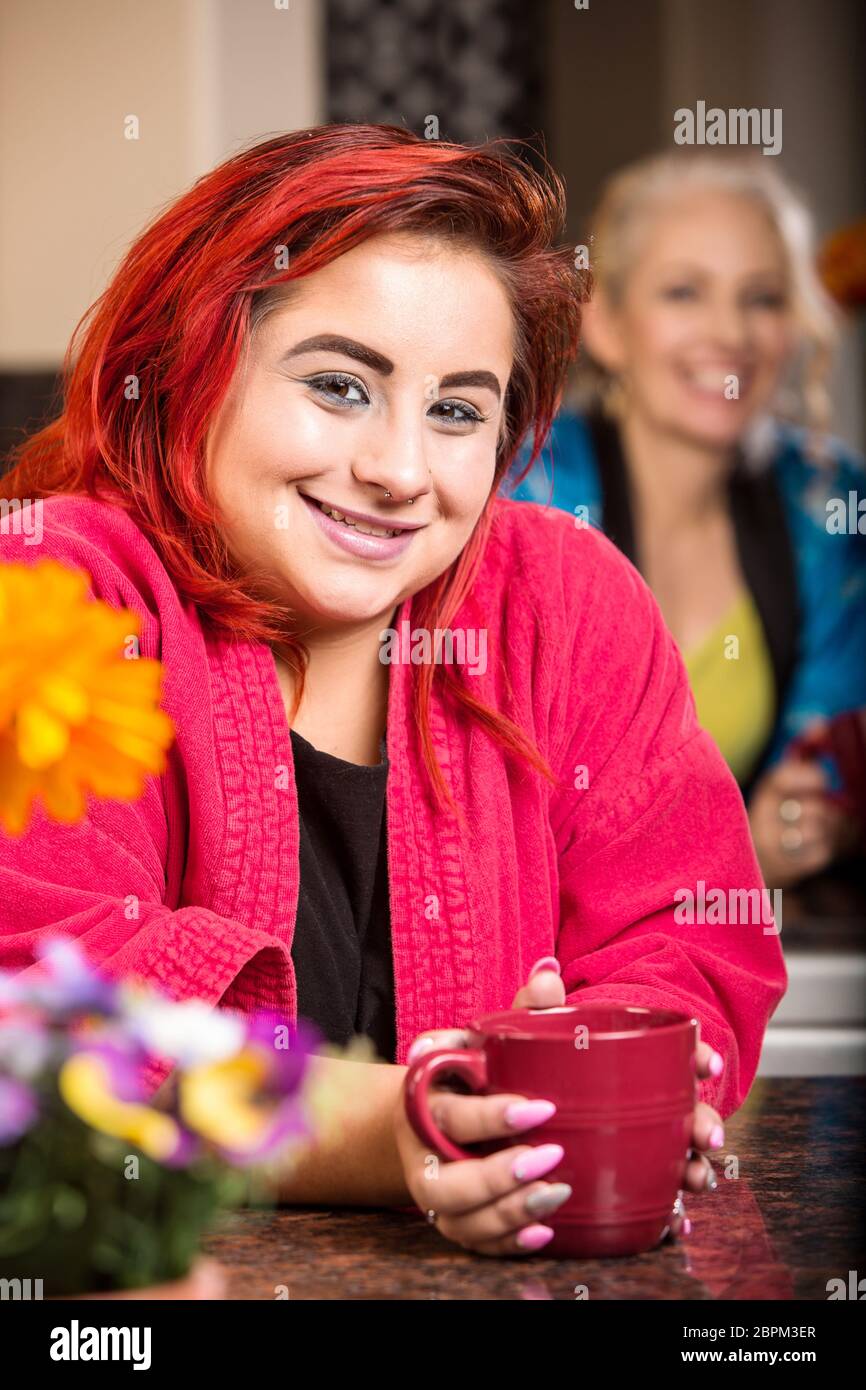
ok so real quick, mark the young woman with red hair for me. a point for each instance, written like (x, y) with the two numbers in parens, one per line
(284, 426)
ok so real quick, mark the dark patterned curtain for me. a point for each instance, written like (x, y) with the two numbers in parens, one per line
(472, 65)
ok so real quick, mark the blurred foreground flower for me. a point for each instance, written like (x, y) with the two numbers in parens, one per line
(100, 1088)
(239, 1082)
(76, 715)
(104, 1185)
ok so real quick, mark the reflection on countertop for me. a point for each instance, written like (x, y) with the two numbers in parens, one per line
(787, 1216)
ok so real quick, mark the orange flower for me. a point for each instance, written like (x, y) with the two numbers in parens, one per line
(843, 265)
(77, 715)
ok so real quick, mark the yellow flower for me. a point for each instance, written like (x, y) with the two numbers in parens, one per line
(218, 1100)
(84, 1084)
(76, 715)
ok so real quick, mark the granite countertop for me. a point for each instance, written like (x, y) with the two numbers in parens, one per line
(786, 1217)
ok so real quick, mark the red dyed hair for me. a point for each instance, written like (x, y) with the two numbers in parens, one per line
(186, 297)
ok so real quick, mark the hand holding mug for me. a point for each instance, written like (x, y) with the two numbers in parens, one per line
(490, 1202)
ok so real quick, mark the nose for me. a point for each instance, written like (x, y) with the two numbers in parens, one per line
(395, 461)
(731, 325)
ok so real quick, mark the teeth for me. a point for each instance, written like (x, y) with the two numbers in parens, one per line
(711, 380)
(357, 525)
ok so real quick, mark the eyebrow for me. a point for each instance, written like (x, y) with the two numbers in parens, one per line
(693, 268)
(329, 342)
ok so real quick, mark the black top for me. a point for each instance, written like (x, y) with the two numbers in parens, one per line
(764, 547)
(342, 944)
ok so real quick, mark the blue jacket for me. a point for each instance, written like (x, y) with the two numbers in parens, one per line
(824, 600)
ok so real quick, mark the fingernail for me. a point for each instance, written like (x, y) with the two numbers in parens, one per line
(533, 1237)
(687, 1227)
(537, 1162)
(546, 963)
(546, 1199)
(712, 1180)
(522, 1114)
(717, 1064)
(717, 1137)
(418, 1048)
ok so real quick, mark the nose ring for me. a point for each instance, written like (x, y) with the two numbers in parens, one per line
(409, 500)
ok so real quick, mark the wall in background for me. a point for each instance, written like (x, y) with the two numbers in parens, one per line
(202, 76)
(614, 88)
(206, 76)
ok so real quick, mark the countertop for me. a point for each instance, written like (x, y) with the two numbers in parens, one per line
(788, 1215)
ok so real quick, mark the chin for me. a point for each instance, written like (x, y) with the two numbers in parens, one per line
(713, 425)
(722, 435)
(345, 610)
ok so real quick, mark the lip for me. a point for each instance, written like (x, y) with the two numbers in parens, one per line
(391, 523)
(355, 542)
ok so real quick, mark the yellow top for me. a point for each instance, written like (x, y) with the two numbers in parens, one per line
(732, 681)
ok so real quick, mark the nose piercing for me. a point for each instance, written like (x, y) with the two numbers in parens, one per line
(410, 500)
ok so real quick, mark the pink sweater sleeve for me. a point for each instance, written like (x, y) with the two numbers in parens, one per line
(651, 808)
(102, 882)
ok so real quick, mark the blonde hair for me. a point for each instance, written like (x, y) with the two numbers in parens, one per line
(631, 196)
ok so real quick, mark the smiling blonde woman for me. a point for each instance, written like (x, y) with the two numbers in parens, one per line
(701, 446)
(283, 434)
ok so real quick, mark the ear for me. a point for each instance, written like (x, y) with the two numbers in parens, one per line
(602, 332)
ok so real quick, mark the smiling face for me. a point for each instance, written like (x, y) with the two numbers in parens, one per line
(383, 372)
(704, 327)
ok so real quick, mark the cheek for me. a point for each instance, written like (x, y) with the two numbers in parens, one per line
(462, 487)
(277, 440)
(306, 438)
(775, 342)
(652, 339)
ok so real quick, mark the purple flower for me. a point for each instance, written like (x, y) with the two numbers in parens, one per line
(288, 1046)
(18, 1109)
(73, 986)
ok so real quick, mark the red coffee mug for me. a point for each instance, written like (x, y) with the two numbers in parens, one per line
(623, 1082)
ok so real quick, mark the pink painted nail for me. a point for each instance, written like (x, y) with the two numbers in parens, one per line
(717, 1064)
(523, 1114)
(533, 1237)
(717, 1137)
(546, 963)
(687, 1227)
(537, 1162)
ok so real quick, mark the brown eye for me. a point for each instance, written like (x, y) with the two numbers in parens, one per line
(459, 413)
(337, 386)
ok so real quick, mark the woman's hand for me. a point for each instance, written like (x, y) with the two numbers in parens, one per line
(492, 1205)
(708, 1134)
(797, 830)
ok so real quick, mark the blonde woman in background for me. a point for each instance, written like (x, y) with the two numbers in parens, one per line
(707, 328)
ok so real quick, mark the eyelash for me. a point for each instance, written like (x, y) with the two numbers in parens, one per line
(318, 383)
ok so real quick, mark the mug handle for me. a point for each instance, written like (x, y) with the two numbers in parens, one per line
(470, 1064)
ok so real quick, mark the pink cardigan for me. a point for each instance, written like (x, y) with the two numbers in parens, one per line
(194, 887)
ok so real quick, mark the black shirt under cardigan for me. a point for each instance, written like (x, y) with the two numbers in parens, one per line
(342, 943)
